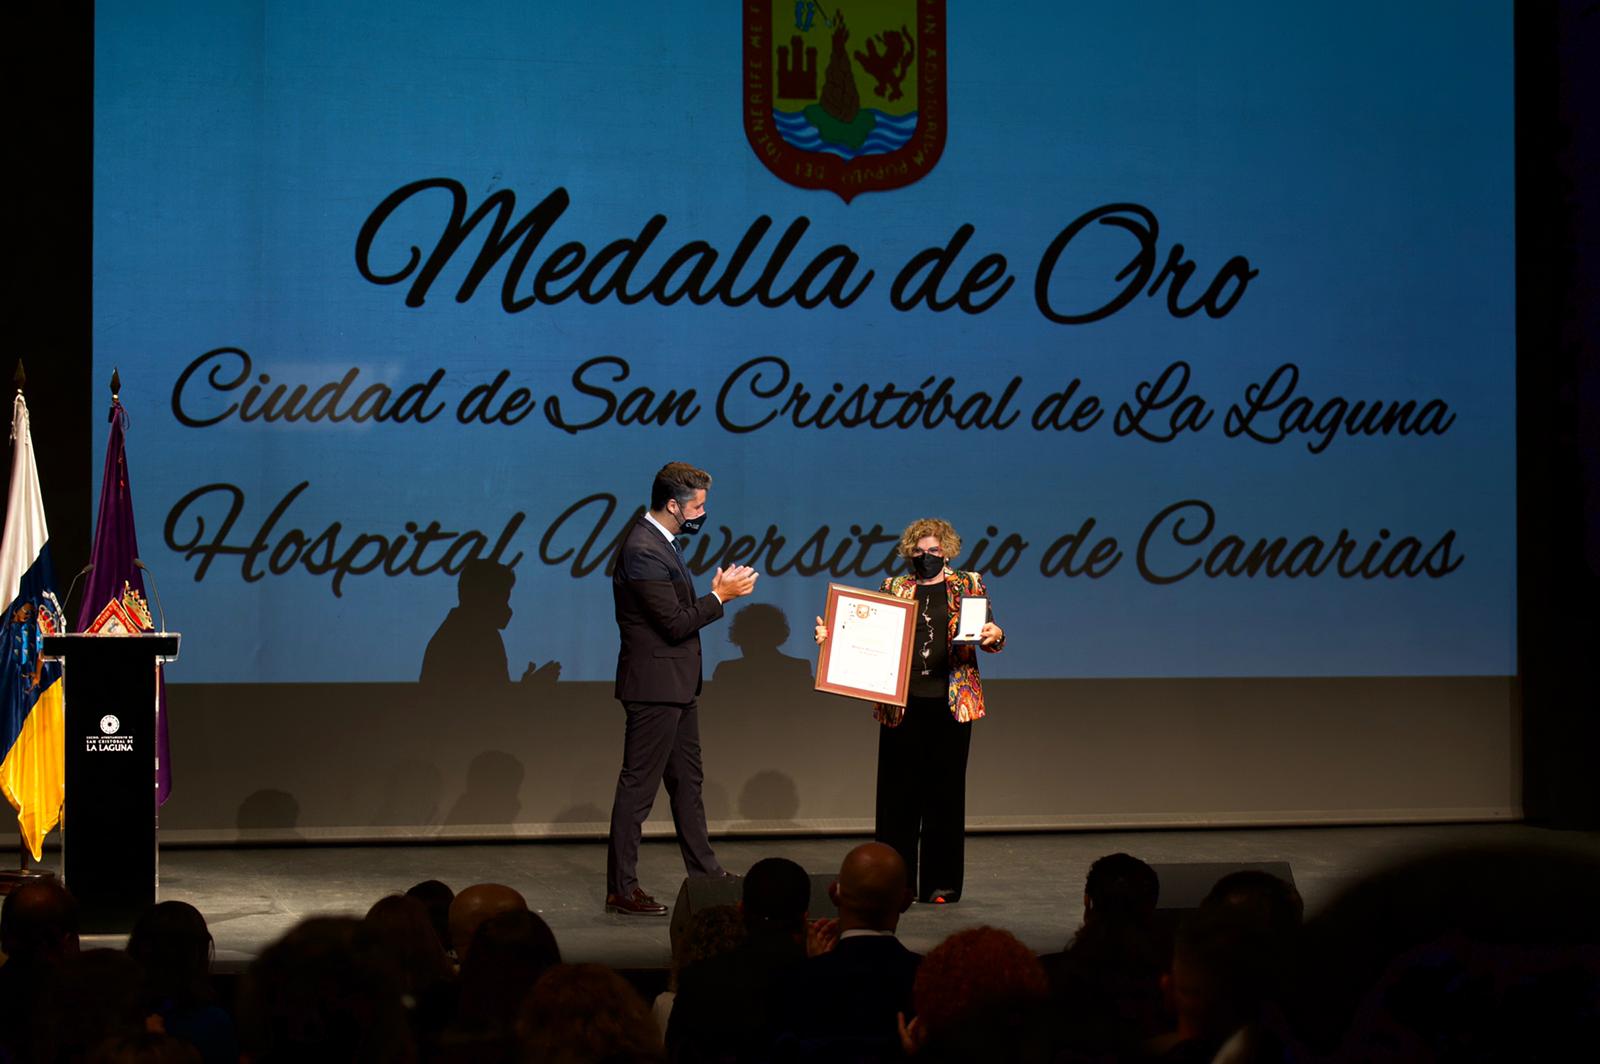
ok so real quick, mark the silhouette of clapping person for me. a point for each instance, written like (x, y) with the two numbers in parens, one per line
(467, 652)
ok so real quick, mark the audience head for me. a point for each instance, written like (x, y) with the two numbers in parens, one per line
(871, 891)
(980, 974)
(712, 931)
(1233, 955)
(1223, 969)
(1120, 888)
(776, 897)
(323, 992)
(475, 905)
(171, 942)
(509, 953)
(402, 931)
(39, 923)
(578, 1013)
(437, 897)
(88, 998)
(1260, 899)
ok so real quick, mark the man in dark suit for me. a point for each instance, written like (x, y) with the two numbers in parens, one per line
(658, 681)
(844, 1004)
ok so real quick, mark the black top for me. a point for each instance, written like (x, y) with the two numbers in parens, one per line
(930, 643)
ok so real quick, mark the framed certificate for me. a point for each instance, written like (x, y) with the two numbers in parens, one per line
(868, 650)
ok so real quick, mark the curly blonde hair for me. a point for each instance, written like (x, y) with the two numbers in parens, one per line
(949, 541)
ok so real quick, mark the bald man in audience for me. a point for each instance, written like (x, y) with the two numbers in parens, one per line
(475, 905)
(846, 1000)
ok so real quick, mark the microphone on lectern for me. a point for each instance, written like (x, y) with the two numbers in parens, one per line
(138, 563)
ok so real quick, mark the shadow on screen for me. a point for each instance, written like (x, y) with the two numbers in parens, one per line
(493, 794)
(769, 795)
(766, 695)
(412, 791)
(467, 654)
(270, 810)
(758, 631)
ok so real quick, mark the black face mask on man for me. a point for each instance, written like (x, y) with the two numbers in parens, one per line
(689, 526)
(926, 566)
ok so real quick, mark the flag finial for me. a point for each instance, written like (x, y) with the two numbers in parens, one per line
(116, 384)
(20, 377)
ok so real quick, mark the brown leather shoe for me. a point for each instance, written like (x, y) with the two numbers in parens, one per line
(638, 903)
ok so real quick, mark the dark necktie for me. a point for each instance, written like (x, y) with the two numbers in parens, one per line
(683, 566)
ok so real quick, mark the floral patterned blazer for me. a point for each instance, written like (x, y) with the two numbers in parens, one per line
(966, 691)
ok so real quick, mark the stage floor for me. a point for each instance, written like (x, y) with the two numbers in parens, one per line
(1031, 884)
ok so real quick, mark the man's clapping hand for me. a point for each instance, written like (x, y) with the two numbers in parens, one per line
(733, 582)
(821, 936)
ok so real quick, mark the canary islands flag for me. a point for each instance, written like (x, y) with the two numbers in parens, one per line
(33, 773)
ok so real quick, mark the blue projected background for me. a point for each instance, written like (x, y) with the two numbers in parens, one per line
(1230, 394)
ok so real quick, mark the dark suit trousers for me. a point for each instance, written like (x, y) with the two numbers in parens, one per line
(922, 793)
(661, 745)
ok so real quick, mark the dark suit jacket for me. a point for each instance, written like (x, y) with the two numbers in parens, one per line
(853, 992)
(659, 618)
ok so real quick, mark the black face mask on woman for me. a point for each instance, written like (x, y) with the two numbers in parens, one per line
(926, 566)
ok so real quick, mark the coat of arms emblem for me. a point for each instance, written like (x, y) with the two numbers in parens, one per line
(847, 95)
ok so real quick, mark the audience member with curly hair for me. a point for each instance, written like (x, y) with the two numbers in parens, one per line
(980, 986)
(585, 1014)
(712, 931)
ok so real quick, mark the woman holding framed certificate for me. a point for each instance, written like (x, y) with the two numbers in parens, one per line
(922, 746)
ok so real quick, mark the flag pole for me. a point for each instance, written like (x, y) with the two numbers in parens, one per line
(19, 377)
(11, 879)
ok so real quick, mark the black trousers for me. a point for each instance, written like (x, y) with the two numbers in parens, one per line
(922, 794)
(661, 745)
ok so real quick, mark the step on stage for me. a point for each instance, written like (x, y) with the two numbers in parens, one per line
(1030, 884)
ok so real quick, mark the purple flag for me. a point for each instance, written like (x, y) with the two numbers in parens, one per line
(114, 574)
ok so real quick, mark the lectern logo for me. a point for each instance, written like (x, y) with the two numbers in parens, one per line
(845, 95)
(108, 741)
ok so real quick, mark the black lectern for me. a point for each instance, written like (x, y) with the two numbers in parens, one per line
(108, 824)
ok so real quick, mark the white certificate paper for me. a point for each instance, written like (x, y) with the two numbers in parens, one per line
(868, 648)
